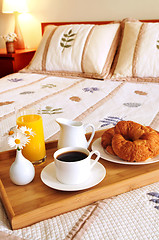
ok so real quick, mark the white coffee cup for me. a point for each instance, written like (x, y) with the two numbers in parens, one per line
(71, 167)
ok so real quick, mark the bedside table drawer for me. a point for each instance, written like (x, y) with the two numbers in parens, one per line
(6, 66)
(13, 62)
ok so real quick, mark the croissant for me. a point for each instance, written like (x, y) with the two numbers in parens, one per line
(131, 141)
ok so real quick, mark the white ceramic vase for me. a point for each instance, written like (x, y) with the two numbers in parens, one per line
(22, 170)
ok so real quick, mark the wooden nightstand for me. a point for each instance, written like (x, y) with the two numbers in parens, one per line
(13, 62)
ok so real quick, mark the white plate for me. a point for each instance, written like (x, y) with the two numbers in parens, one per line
(96, 145)
(48, 177)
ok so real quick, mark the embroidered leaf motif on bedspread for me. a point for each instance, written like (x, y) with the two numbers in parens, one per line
(50, 85)
(157, 44)
(132, 104)
(92, 89)
(50, 110)
(140, 93)
(154, 200)
(154, 194)
(15, 79)
(27, 92)
(110, 120)
(67, 39)
(75, 99)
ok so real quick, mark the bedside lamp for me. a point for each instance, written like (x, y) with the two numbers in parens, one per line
(16, 7)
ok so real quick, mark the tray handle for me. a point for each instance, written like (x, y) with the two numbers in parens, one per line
(6, 202)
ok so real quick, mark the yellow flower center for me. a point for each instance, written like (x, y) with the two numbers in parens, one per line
(17, 141)
(11, 132)
(27, 132)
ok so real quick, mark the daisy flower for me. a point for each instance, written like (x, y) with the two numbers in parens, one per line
(18, 140)
(10, 37)
(27, 131)
(12, 131)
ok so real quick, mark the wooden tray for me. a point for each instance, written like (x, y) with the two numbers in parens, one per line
(34, 202)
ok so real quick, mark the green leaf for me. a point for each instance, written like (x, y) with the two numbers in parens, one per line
(62, 44)
(73, 34)
(67, 46)
(49, 110)
(67, 37)
(57, 109)
(70, 40)
(63, 39)
(70, 32)
(157, 46)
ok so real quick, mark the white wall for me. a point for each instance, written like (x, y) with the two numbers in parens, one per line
(75, 10)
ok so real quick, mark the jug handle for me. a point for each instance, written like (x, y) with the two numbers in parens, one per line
(93, 132)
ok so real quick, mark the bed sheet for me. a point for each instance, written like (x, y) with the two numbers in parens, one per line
(132, 215)
(102, 103)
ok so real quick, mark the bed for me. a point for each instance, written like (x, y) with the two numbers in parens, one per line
(75, 75)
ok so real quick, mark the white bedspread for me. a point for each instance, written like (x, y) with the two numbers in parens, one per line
(128, 216)
(102, 103)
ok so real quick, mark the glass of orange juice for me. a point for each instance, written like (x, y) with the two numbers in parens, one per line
(35, 150)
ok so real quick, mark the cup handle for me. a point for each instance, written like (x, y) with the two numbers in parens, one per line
(96, 159)
(93, 132)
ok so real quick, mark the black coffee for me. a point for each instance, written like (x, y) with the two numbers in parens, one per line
(73, 156)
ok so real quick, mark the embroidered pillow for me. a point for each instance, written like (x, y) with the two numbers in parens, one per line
(138, 56)
(78, 50)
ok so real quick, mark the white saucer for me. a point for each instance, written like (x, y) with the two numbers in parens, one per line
(96, 145)
(48, 177)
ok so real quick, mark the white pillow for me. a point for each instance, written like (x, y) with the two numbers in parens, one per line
(78, 50)
(138, 56)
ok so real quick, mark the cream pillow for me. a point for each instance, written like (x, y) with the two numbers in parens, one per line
(78, 50)
(138, 56)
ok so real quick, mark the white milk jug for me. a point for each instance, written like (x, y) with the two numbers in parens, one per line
(72, 133)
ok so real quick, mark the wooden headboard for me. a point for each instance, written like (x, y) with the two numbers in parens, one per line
(44, 24)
